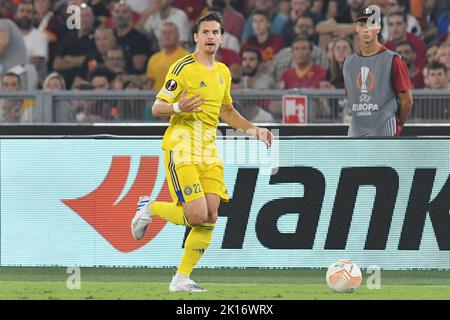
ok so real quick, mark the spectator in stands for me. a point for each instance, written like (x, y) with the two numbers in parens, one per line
(268, 44)
(193, 8)
(437, 76)
(406, 50)
(342, 48)
(342, 25)
(50, 24)
(54, 82)
(305, 74)
(328, 8)
(100, 78)
(14, 110)
(133, 109)
(277, 20)
(73, 48)
(232, 60)
(104, 39)
(100, 9)
(402, 6)
(299, 8)
(139, 6)
(35, 42)
(229, 40)
(160, 62)
(443, 55)
(430, 18)
(283, 60)
(442, 23)
(234, 21)
(397, 29)
(432, 52)
(160, 11)
(12, 47)
(139, 46)
(83, 110)
(253, 76)
(117, 60)
(436, 79)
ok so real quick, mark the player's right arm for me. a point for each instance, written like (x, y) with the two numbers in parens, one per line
(163, 108)
(172, 98)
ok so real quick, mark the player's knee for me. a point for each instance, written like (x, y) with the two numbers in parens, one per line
(212, 216)
(196, 216)
(195, 220)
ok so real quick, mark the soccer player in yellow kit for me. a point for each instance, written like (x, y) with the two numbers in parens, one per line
(196, 93)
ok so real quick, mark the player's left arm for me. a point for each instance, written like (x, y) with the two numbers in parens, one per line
(406, 103)
(402, 85)
(233, 118)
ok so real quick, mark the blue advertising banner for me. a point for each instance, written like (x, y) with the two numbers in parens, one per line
(306, 203)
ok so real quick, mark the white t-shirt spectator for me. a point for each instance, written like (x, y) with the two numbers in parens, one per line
(176, 16)
(139, 5)
(231, 42)
(36, 44)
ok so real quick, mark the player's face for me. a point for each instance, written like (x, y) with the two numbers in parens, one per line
(437, 79)
(367, 33)
(209, 37)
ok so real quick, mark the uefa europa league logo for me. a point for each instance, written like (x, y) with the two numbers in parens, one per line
(364, 74)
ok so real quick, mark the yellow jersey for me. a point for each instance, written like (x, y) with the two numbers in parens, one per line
(195, 132)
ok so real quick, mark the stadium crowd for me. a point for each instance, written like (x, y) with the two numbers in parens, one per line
(268, 44)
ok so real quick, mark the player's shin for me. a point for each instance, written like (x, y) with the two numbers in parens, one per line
(196, 243)
(169, 211)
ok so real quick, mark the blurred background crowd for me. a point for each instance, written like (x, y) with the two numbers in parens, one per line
(268, 44)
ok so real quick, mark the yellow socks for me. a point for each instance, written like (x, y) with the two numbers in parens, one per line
(169, 211)
(196, 243)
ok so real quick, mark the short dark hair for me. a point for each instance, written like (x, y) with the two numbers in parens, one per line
(436, 65)
(101, 71)
(404, 43)
(302, 37)
(255, 51)
(261, 12)
(12, 74)
(213, 16)
(432, 44)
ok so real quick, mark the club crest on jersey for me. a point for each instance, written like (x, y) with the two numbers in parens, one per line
(221, 80)
(171, 85)
(187, 191)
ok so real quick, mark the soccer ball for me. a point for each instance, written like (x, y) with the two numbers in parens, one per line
(344, 276)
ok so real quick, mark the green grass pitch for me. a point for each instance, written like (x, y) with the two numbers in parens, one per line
(222, 284)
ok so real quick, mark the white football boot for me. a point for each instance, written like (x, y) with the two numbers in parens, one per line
(142, 218)
(184, 284)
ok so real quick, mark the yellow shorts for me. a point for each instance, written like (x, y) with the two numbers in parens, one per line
(190, 180)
